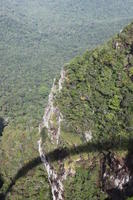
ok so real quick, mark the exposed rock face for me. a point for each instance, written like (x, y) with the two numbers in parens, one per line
(116, 177)
(52, 121)
(52, 117)
(61, 80)
(115, 174)
(88, 135)
(54, 179)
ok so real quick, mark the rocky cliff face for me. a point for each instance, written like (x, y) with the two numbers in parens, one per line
(52, 122)
(116, 176)
(52, 117)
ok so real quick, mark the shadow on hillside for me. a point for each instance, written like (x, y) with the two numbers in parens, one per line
(62, 153)
(1, 181)
(21, 172)
(3, 123)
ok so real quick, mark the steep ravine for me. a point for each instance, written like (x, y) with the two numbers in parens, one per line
(55, 180)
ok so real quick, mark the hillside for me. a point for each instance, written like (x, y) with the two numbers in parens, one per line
(97, 92)
(86, 133)
(85, 137)
(89, 117)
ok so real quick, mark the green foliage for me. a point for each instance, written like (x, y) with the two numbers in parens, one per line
(131, 71)
(38, 37)
(97, 93)
(84, 185)
(43, 91)
(19, 148)
(114, 103)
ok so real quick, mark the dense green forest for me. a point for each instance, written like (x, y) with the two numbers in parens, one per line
(97, 97)
(38, 37)
(98, 91)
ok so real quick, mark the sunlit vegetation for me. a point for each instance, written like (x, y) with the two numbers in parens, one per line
(84, 185)
(98, 91)
(36, 39)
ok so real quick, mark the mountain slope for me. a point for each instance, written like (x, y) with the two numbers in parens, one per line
(93, 102)
(90, 102)
(97, 93)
